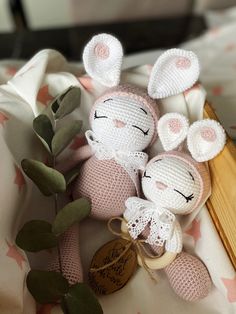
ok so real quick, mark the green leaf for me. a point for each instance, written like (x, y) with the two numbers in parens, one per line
(80, 299)
(43, 128)
(46, 286)
(72, 174)
(71, 213)
(36, 235)
(67, 102)
(48, 180)
(64, 136)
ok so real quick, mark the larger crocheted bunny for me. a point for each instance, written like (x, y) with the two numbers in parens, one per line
(175, 183)
(123, 124)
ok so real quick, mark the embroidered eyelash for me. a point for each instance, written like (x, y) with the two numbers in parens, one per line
(98, 117)
(144, 132)
(144, 110)
(188, 198)
(191, 175)
(108, 99)
(145, 175)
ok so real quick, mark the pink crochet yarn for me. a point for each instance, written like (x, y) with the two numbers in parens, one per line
(189, 277)
(106, 184)
(69, 247)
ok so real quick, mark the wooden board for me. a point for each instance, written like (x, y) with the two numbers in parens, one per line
(222, 202)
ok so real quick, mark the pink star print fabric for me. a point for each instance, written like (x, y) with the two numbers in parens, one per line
(28, 92)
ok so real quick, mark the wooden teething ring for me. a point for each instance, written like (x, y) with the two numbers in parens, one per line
(151, 263)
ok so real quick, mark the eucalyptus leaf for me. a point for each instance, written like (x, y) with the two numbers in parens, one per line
(67, 102)
(80, 299)
(36, 235)
(72, 174)
(48, 180)
(43, 128)
(47, 286)
(64, 136)
(71, 213)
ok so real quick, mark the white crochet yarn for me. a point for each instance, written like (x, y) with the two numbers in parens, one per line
(174, 71)
(102, 59)
(132, 162)
(172, 129)
(164, 229)
(206, 138)
(123, 123)
(172, 184)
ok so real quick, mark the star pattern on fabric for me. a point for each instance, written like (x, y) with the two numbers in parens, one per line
(45, 309)
(15, 254)
(230, 285)
(19, 178)
(44, 96)
(78, 142)
(217, 90)
(230, 47)
(194, 87)
(11, 70)
(195, 230)
(214, 31)
(3, 118)
(86, 82)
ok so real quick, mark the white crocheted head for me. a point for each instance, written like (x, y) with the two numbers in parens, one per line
(125, 117)
(175, 180)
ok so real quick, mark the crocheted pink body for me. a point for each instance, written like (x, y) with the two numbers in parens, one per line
(189, 277)
(106, 184)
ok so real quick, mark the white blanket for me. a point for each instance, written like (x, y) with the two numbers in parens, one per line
(24, 97)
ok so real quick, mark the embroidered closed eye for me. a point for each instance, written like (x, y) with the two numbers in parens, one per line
(145, 175)
(187, 198)
(96, 116)
(108, 99)
(144, 132)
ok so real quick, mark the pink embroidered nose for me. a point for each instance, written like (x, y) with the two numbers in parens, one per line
(161, 186)
(119, 123)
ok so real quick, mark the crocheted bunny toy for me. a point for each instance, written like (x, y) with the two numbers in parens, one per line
(123, 123)
(175, 183)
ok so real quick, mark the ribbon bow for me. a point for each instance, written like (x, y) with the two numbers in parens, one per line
(141, 213)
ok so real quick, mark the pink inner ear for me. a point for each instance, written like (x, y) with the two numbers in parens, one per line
(175, 125)
(182, 63)
(102, 51)
(208, 134)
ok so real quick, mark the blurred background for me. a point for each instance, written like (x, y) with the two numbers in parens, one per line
(145, 28)
(27, 26)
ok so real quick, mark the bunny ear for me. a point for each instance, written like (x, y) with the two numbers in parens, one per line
(172, 129)
(174, 71)
(102, 59)
(206, 139)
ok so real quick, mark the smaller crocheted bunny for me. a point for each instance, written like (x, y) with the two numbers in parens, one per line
(123, 124)
(175, 183)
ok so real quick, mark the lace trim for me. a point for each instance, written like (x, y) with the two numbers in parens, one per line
(130, 161)
(139, 213)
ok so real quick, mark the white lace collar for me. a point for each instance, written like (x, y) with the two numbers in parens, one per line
(130, 161)
(141, 213)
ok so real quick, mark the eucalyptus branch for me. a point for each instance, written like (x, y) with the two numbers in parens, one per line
(37, 235)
